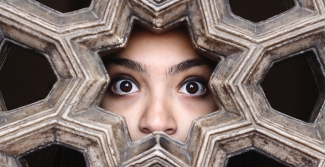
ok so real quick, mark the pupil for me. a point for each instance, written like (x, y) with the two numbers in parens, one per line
(192, 87)
(126, 86)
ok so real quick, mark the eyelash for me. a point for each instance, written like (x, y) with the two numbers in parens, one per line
(195, 82)
(116, 88)
(201, 90)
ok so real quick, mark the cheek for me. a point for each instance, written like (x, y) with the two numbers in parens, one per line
(198, 106)
(188, 109)
(119, 104)
(128, 107)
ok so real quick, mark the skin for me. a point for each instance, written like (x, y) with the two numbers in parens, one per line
(159, 99)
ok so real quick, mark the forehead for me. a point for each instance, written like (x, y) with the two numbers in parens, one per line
(145, 46)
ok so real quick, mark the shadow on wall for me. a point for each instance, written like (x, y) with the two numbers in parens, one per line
(259, 10)
(65, 6)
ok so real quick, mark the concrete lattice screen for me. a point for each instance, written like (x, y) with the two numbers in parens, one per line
(72, 39)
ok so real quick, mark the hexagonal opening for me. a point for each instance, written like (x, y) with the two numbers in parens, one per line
(65, 6)
(259, 10)
(54, 155)
(254, 158)
(294, 85)
(25, 76)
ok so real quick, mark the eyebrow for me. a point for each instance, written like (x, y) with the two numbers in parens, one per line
(177, 68)
(130, 64)
(182, 66)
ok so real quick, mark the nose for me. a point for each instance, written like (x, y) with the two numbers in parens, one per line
(158, 117)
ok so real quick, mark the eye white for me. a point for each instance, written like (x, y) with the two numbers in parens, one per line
(193, 88)
(123, 87)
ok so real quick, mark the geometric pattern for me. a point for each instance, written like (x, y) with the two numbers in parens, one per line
(75, 41)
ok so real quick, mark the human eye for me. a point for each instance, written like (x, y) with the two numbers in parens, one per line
(124, 87)
(193, 87)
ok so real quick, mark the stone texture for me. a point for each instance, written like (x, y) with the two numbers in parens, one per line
(70, 114)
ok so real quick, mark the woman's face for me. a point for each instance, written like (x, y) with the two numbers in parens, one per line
(159, 83)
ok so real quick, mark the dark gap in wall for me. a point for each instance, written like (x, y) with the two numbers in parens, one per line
(25, 77)
(259, 10)
(65, 6)
(253, 159)
(54, 156)
(290, 85)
